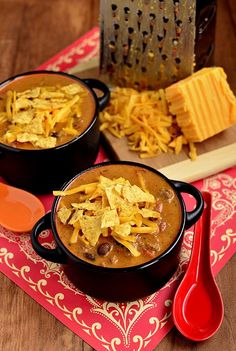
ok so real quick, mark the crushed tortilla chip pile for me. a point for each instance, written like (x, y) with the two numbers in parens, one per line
(40, 115)
(144, 118)
(110, 207)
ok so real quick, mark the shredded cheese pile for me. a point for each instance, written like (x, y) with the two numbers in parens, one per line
(40, 115)
(110, 207)
(144, 118)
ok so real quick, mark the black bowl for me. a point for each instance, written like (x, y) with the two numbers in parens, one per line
(119, 284)
(42, 170)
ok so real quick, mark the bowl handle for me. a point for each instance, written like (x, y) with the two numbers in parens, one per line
(54, 255)
(194, 215)
(97, 84)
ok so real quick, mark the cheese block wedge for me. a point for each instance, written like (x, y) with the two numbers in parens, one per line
(203, 104)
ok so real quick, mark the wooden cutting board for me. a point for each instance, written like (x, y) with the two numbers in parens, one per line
(214, 154)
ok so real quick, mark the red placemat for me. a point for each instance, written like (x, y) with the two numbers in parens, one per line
(137, 325)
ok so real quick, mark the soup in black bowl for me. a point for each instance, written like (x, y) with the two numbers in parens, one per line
(118, 227)
(49, 128)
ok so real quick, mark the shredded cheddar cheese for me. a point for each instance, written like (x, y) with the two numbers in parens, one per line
(144, 119)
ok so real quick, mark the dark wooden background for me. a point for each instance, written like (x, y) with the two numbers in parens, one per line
(32, 31)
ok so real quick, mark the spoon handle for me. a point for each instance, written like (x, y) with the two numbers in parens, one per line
(3, 189)
(200, 257)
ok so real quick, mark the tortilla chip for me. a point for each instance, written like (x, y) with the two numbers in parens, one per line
(45, 143)
(118, 188)
(26, 137)
(41, 104)
(72, 89)
(91, 228)
(23, 117)
(113, 197)
(127, 209)
(51, 94)
(64, 214)
(121, 181)
(105, 182)
(36, 126)
(134, 194)
(75, 217)
(146, 213)
(87, 205)
(122, 229)
(22, 103)
(29, 93)
(110, 219)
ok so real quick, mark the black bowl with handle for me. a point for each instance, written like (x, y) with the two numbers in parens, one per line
(119, 284)
(41, 170)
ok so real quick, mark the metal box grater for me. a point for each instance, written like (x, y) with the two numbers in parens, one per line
(147, 44)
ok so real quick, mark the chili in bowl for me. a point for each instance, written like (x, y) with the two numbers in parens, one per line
(118, 228)
(49, 128)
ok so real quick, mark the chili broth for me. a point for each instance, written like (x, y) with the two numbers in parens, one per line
(108, 252)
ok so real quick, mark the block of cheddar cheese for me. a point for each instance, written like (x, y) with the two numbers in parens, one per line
(203, 103)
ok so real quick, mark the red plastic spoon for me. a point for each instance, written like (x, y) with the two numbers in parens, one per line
(198, 307)
(19, 210)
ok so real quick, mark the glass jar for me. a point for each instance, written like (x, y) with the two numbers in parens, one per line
(205, 33)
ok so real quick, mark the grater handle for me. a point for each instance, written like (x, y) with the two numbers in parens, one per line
(97, 84)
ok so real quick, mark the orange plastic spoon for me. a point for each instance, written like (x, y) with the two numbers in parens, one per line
(19, 210)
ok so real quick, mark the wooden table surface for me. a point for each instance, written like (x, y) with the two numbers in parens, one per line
(32, 31)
